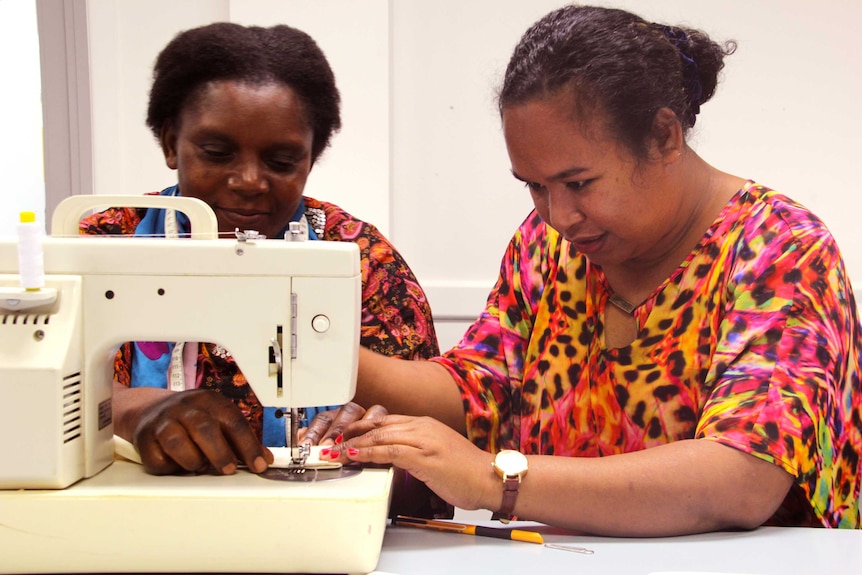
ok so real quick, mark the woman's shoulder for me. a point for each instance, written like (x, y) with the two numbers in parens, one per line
(762, 227)
(113, 221)
(764, 210)
(339, 224)
(534, 228)
(535, 240)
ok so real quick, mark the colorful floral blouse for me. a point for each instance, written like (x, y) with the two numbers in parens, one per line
(753, 342)
(396, 316)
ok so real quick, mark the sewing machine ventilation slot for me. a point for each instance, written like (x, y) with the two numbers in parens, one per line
(71, 407)
(25, 319)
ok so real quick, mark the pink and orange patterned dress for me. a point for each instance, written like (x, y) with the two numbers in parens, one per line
(754, 342)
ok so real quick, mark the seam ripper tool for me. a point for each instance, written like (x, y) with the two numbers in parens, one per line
(466, 529)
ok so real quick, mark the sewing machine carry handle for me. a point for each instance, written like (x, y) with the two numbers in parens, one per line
(68, 212)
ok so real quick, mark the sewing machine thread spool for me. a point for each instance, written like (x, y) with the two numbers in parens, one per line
(30, 259)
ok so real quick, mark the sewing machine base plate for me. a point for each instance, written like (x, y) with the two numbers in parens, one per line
(125, 521)
(310, 474)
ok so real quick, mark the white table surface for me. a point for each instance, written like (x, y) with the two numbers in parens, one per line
(764, 551)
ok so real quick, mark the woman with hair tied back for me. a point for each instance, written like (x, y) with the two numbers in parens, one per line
(243, 113)
(669, 348)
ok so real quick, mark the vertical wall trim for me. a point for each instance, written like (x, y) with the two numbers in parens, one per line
(66, 115)
(390, 132)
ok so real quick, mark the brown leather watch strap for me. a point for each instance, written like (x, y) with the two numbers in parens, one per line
(511, 485)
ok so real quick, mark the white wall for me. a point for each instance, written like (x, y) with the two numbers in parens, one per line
(126, 36)
(421, 154)
(786, 114)
(23, 186)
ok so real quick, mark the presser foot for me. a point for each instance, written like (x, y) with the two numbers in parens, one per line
(298, 457)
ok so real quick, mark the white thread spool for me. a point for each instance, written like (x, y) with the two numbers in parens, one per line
(31, 264)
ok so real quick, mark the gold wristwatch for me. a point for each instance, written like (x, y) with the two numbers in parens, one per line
(512, 467)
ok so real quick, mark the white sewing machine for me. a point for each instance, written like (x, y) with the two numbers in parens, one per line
(289, 314)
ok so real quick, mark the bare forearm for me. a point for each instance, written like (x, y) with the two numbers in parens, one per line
(129, 403)
(684, 487)
(409, 388)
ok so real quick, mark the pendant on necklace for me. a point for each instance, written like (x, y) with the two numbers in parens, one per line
(622, 304)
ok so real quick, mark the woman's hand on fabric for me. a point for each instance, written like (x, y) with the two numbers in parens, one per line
(197, 431)
(432, 452)
(327, 426)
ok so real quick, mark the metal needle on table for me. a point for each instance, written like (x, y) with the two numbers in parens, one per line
(572, 548)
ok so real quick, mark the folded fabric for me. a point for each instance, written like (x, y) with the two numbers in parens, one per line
(125, 450)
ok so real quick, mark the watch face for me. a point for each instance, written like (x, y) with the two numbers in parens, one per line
(511, 462)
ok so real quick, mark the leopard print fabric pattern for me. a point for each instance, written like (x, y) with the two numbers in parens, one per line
(753, 342)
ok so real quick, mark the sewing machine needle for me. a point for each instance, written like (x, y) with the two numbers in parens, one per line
(571, 548)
